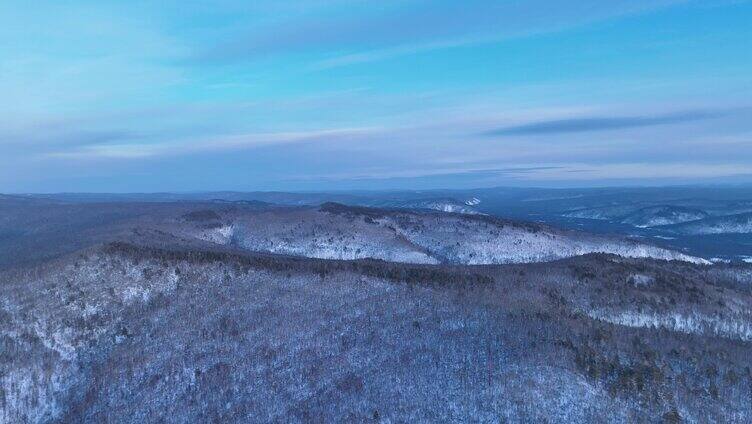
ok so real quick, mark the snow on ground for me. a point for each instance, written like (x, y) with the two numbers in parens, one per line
(732, 224)
(478, 241)
(413, 237)
(654, 216)
(691, 323)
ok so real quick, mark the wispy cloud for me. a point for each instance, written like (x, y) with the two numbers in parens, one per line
(216, 144)
(242, 93)
(67, 137)
(432, 172)
(602, 123)
(554, 175)
(417, 27)
(638, 171)
(388, 53)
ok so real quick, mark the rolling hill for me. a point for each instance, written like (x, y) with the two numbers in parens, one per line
(336, 231)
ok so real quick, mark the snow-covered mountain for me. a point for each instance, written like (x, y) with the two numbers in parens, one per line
(639, 216)
(438, 204)
(654, 216)
(601, 212)
(473, 201)
(731, 224)
(336, 231)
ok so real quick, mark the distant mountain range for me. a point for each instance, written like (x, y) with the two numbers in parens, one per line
(738, 224)
(654, 216)
(647, 213)
(650, 216)
(674, 219)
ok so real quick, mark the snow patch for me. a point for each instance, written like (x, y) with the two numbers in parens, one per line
(221, 235)
(694, 323)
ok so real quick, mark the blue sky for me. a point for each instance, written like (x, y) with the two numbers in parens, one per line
(334, 94)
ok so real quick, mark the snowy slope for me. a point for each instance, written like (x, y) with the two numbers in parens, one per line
(136, 334)
(643, 217)
(456, 239)
(340, 232)
(437, 204)
(601, 212)
(310, 233)
(738, 224)
(663, 215)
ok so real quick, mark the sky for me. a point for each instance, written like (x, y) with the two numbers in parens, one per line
(147, 96)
